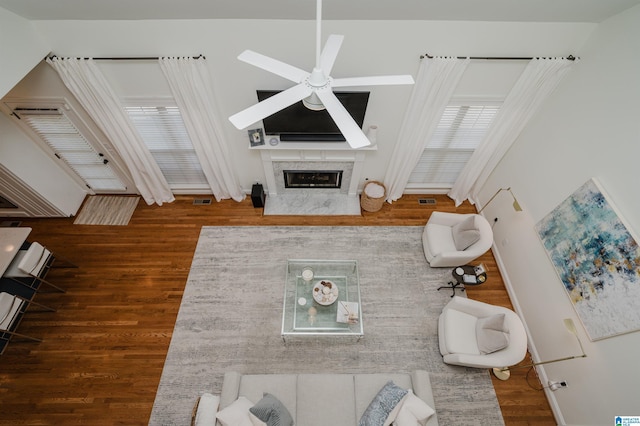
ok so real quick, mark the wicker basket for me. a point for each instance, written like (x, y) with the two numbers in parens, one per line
(370, 204)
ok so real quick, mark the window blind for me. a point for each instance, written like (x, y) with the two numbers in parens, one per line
(68, 144)
(164, 133)
(459, 132)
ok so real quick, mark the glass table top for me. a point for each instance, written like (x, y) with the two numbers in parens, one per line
(322, 297)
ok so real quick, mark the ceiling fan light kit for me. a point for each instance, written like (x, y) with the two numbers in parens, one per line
(313, 102)
(314, 89)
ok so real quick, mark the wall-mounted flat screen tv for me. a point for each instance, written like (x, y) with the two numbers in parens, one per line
(298, 123)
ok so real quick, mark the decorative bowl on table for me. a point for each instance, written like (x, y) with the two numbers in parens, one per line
(325, 292)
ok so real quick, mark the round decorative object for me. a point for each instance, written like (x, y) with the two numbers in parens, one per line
(302, 301)
(273, 141)
(325, 292)
(459, 271)
(307, 274)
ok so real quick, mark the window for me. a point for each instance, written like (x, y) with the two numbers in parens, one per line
(460, 130)
(164, 133)
(58, 131)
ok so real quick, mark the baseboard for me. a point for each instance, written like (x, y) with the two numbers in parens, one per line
(553, 402)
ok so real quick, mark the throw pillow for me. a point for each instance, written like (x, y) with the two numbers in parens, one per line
(271, 411)
(394, 413)
(382, 405)
(491, 334)
(236, 414)
(256, 421)
(206, 410)
(414, 411)
(465, 233)
(374, 190)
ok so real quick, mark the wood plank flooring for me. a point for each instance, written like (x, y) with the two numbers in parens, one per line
(103, 351)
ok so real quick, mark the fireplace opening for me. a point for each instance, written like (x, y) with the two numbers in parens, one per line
(312, 178)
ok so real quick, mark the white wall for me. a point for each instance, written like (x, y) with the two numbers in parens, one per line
(589, 128)
(21, 48)
(370, 48)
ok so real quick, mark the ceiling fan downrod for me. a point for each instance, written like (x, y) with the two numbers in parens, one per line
(317, 79)
(318, 31)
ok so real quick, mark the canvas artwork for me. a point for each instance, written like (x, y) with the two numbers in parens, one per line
(597, 259)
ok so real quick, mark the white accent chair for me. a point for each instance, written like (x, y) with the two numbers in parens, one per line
(453, 239)
(459, 339)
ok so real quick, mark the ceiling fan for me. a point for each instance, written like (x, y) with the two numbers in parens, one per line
(314, 88)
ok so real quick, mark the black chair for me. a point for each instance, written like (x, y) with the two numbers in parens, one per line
(31, 265)
(12, 309)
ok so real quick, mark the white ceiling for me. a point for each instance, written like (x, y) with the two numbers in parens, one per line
(463, 10)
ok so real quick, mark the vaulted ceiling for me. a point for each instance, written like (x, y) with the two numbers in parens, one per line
(464, 10)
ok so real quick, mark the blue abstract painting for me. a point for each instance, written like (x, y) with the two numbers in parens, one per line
(597, 259)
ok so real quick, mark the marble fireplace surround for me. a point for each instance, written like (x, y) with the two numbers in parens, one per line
(312, 156)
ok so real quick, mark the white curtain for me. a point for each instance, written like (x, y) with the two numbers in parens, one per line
(83, 78)
(436, 80)
(538, 80)
(190, 84)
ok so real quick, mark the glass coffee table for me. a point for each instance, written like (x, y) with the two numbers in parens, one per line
(322, 298)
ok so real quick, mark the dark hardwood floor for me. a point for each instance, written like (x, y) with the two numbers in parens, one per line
(103, 351)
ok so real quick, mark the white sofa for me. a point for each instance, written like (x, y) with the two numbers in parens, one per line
(323, 399)
(443, 249)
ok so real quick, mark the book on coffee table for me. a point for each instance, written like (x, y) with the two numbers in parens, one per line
(347, 312)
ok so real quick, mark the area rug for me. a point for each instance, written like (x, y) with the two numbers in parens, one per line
(107, 210)
(231, 313)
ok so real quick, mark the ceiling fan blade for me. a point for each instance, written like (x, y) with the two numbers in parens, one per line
(273, 66)
(350, 130)
(379, 80)
(330, 53)
(270, 106)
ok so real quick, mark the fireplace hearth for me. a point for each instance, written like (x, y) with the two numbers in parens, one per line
(312, 179)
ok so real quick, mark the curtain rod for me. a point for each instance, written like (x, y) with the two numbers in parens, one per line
(496, 58)
(133, 58)
(426, 55)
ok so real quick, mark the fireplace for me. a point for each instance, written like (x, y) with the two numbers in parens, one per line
(312, 178)
(336, 194)
(275, 162)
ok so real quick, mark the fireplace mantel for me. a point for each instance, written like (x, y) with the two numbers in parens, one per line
(310, 146)
(305, 152)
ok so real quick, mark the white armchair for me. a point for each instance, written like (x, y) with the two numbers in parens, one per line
(452, 239)
(461, 343)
